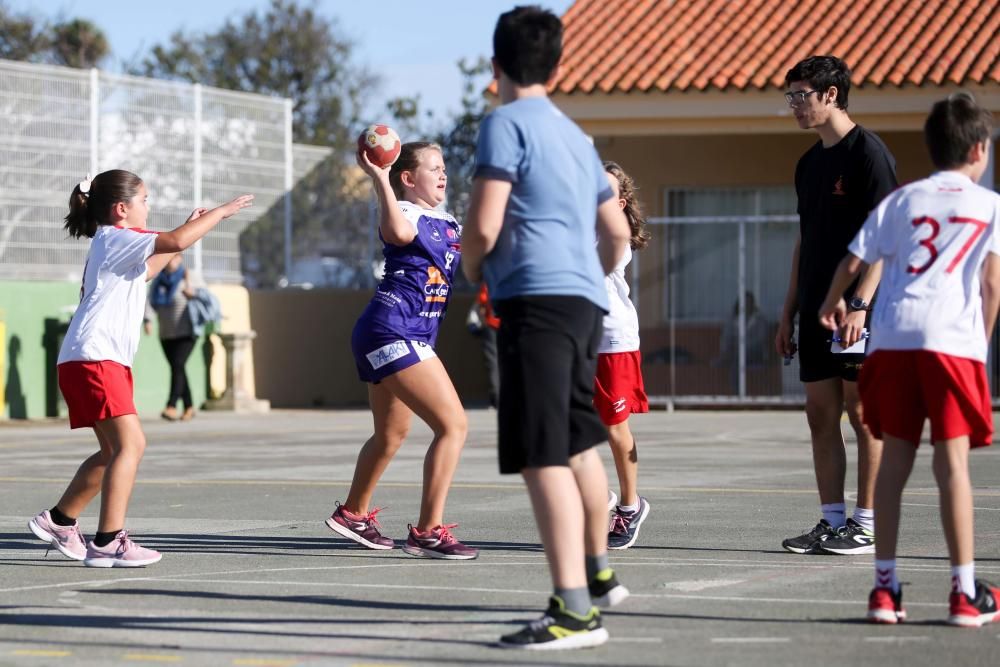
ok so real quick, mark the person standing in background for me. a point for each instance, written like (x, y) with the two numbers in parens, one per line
(168, 299)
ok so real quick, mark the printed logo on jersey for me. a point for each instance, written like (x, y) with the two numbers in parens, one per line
(435, 234)
(619, 405)
(436, 288)
(388, 354)
(838, 187)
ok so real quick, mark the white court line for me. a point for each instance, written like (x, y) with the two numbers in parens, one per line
(978, 509)
(751, 640)
(97, 583)
(514, 591)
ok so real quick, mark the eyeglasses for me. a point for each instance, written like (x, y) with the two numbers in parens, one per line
(799, 96)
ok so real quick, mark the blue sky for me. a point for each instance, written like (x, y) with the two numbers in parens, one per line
(412, 44)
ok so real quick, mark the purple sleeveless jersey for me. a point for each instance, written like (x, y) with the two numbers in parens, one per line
(413, 295)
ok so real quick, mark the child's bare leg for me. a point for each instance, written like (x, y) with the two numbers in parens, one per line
(897, 463)
(558, 508)
(626, 462)
(391, 420)
(87, 481)
(427, 390)
(592, 482)
(869, 447)
(951, 470)
(128, 443)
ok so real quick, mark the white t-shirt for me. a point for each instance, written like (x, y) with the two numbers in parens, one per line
(934, 235)
(107, 322)
(621, 324)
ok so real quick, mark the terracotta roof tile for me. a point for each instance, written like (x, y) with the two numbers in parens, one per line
(646, 45)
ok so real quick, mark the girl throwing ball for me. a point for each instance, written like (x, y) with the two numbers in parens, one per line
(393, 345)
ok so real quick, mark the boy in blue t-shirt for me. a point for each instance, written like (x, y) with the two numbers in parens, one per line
(540, 204)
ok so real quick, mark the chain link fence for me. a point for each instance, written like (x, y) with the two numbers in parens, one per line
(192, 145)
(712, 307)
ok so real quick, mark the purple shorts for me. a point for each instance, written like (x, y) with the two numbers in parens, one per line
(379, 356)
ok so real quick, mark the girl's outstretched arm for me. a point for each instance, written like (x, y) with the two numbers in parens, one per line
(199, 223)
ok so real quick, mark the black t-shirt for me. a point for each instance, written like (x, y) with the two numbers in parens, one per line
(837, 187)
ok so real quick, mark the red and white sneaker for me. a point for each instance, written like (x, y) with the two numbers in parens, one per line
(886, 607)
(120, 552)
(67, 539)
(438, 543)
(966, 612)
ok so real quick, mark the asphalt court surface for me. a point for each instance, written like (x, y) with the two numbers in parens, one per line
(252, 576)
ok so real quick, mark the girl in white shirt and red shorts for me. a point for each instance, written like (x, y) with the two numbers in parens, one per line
(618, 386)
(95, 360)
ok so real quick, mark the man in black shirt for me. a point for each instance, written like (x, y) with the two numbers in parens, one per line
(838, 182)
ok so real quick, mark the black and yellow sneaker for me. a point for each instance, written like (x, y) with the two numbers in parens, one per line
(852, 539)
(605, 589)
(559, 629)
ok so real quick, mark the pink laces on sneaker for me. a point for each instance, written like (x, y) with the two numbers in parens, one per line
(445, 535)
(369, 518)
(620, 522)
(124, 542)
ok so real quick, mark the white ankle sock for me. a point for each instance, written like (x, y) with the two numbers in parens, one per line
(864, 518)
(885, 575)
(630, 509)
(835, 514)
(963, 579)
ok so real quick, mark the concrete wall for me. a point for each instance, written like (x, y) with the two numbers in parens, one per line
(303, 355)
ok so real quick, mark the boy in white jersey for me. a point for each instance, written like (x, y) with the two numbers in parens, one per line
(940, 240)
(95, 361)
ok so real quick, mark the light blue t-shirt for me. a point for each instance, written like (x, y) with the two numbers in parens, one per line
(547, 243)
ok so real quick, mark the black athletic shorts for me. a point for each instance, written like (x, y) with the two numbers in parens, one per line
(816, 361)
(548, 357)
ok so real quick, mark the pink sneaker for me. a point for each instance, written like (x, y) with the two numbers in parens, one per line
(362, 528)
(120, 552)
(67, 539)
(438, 543)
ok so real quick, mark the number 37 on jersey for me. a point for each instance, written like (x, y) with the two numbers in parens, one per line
(931, 244)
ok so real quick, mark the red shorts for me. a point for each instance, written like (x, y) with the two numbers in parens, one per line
(618, 388)
(902, 388)
(96, 390)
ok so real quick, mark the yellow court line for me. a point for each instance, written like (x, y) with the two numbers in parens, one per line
(458, 485)
(152, 657)
(83, 439)
(38, 653)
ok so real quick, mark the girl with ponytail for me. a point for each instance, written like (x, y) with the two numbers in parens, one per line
(95, 360)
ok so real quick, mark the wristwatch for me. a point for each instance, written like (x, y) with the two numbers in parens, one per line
(857, 303)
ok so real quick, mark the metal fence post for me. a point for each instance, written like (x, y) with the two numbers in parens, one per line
(288, 189)
(741, 276)
(197, 175)
(95, 117)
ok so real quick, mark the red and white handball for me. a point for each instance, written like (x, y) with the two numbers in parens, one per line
(381, 144)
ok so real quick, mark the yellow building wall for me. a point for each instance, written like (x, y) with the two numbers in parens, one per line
(235, 303)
